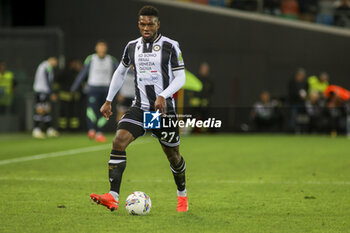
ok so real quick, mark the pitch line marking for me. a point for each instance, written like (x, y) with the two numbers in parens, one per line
(64, 179)
(61, 153)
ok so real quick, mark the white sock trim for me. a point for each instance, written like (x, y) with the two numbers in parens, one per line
(115, 195)
(182, 193)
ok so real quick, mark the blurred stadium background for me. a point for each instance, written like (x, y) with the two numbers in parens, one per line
(251, 46)
(238, 182)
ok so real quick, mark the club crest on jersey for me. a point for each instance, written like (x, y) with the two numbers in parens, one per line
(156, 48)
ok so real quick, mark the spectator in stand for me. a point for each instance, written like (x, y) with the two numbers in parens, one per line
(7, 88)
(297, 94)
(272, 7)
(265, 113)
(308, 10)
(205, 2)
(315, 111)
(318, 84)
(338, 99)
(222, 3)
(342, 14)
(347, 108)
(336, 112)
(325, 12)
(246, 5)
(289, 9)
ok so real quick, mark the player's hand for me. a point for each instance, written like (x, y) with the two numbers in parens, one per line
(160, 104)
(106, 110)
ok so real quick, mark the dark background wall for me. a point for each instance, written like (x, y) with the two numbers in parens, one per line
(246, 56)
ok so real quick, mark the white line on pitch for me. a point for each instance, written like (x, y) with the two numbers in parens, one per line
(61, 153)
(64, 179)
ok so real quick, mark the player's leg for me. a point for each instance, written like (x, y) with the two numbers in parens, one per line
(170, 140)
(47, 119)
(128, 130)
(38, 118)
(116, 167)
(178, 168)
(91, 110)
(101, 120)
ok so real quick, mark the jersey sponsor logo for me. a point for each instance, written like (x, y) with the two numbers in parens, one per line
(156, 48)
(151, 119)
(153, 78)
(146, 61)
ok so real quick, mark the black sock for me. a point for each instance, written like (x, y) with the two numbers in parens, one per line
(37, 120)
(179, 174)
(47, 120)
(117, 164)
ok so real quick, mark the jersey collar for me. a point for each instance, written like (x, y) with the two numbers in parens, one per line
(155, 40)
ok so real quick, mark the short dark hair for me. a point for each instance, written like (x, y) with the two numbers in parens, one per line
(149, 10)
(102, 41)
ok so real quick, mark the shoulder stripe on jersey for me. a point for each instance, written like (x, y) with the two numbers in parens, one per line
(131, 54)
(178, 68)
(158, 38)
(126, 57)
(124, 64)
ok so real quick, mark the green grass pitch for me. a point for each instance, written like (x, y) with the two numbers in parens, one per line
(236, 183)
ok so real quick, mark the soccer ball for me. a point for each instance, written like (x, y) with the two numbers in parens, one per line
(138, 203)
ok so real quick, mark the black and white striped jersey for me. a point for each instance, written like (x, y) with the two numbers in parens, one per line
(154, 64)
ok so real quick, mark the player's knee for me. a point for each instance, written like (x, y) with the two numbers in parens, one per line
(43, 109)
(39, 110)
(122, 140)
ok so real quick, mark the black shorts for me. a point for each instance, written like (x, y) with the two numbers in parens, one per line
(132, 121)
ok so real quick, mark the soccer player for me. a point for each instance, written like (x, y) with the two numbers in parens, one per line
(99, 68)
(44, 95)
(159, 73)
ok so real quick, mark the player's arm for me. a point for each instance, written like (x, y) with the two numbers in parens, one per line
(48, 77)
(116, 83)
(178, 69)
(82, 74)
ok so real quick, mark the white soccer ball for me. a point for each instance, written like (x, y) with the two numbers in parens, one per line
(138, 203)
